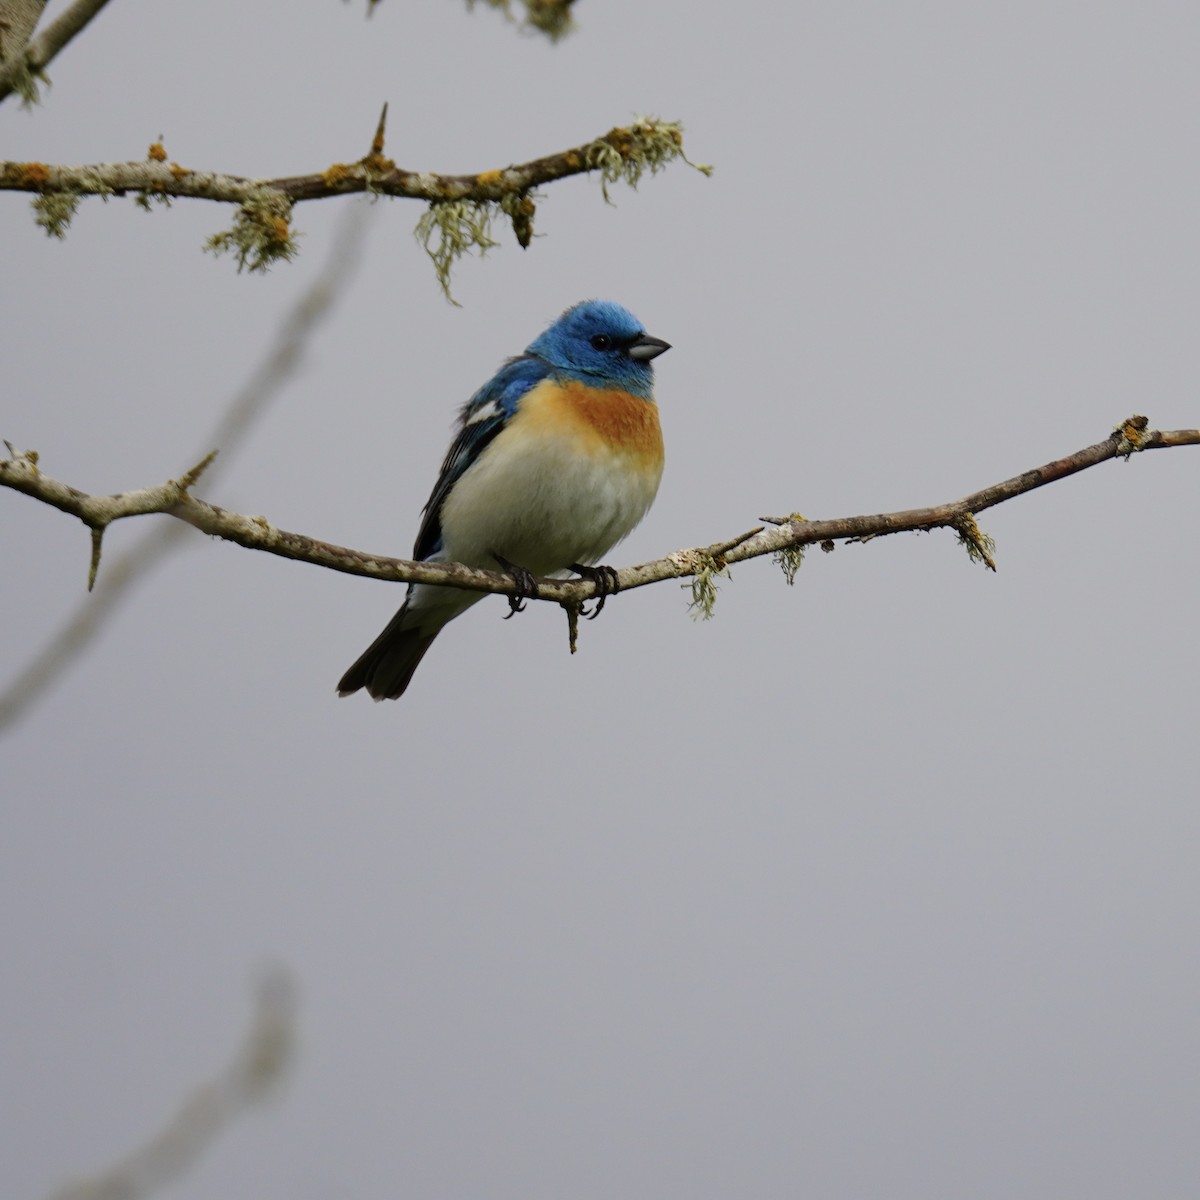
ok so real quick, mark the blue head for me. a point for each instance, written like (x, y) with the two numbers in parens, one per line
(603, 344)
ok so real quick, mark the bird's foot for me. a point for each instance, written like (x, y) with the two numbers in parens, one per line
(607, 584)
(527, 588)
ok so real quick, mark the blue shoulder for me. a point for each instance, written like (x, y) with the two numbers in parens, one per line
(479, 420)
(502, 393)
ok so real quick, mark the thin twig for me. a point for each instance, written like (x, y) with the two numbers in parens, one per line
(723, 548)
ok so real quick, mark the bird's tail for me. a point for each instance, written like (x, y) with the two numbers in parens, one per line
(387, 665)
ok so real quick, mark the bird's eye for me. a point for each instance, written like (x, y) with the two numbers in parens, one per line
(602, 342)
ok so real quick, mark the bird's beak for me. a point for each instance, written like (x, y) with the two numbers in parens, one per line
(647, 347)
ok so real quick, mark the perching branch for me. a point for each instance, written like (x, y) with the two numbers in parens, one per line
(21, 73)
(787, 537)
(461, 207)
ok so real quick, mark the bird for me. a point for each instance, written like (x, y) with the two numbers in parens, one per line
(554, 461)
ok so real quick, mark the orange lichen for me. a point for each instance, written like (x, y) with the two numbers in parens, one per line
(156, 153)
(280, 229)
(33, 174)
(180, 172)
(620, 139)
(1133, 431)
(335, 174)
(379, 164)
(489, 178)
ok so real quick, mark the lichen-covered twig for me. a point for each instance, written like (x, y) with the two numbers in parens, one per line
(459, 218)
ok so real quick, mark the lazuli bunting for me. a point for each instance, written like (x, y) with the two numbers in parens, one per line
(556, 459)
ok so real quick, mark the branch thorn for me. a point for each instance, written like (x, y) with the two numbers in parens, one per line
(725, 547)
(572, 609)
(191, 476)
(377, 142)
(97, 538)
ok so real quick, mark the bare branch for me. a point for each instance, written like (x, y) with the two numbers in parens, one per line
(44, 47)
(252, 1074)
(22, 473)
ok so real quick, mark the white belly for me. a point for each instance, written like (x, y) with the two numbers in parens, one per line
(543, 504)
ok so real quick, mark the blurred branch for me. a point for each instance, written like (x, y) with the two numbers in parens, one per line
(786, 539)
(252, 1074)
(278, 366)
(20, 73)
(461, 207)
(18, 20)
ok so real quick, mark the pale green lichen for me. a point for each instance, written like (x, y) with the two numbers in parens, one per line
(979, 546)
(703, 585)
(448, 229)
(625, 154)
(789, 560)
(25, 83)
(261, 233)
(147, 200)
(93, 183)
(54, 211)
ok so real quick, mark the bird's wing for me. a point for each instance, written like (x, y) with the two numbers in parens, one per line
(481, 419)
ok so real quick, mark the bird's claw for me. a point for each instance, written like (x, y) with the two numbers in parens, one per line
(527, 588)
(606, 581)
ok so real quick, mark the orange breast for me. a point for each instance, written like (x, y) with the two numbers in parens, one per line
(603, 419)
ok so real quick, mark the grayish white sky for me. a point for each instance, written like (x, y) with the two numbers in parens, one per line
(883, 885)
